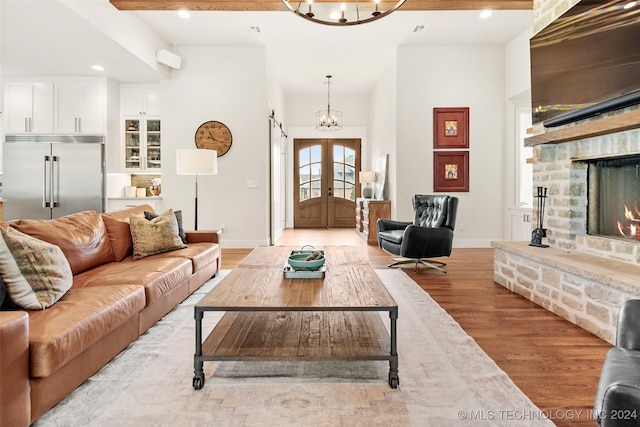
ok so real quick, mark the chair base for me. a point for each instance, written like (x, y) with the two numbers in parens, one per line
(431, 264)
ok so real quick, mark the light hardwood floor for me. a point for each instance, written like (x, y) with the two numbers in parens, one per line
(555, 363)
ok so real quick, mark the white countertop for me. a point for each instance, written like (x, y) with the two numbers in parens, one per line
(135, 198)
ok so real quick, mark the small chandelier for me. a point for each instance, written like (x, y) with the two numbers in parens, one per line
(329, 119)
(345, 13)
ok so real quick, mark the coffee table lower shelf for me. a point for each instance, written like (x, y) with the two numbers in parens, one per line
(297, 335)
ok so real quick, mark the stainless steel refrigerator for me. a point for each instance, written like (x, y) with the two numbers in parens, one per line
(49, 176)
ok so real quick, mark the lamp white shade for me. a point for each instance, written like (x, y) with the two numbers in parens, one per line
(196, 161)
(367, 176)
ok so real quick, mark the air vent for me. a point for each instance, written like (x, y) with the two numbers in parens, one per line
(419, 28)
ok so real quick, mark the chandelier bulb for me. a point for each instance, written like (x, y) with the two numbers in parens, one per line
(309, 13)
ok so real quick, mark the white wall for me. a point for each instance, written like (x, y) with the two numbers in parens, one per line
(228, 85)
(453, 76)
(518, 64)
(382, 134)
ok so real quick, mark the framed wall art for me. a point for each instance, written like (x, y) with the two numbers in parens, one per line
(451, 127)
(450, 171)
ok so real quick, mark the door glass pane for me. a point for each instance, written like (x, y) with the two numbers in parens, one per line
(304, 156)
(350, 174)
(350, 156)
(304, 174)
(338, 189)
(349, 192)
(316, 154)
(338, 153)
(315, 189)
(305, 191)
(338, 171)
(315, 171)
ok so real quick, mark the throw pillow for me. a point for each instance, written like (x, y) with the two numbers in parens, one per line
(36, 273)
(151, 215)
(155, 236)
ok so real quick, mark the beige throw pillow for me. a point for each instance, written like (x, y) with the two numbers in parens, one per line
(154, 236)
(36, 273)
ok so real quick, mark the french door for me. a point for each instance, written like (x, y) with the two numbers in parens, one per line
(325, 182)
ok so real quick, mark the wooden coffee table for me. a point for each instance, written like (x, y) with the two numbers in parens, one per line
(270, 317)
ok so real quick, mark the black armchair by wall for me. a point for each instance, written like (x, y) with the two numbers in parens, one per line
(429, 235)
(617, 401)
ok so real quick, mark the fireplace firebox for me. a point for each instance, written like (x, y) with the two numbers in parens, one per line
(614, 197)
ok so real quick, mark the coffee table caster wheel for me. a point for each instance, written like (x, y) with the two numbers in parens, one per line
(198, 383)
(394, 380)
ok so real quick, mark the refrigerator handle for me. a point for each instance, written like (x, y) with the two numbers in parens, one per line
(46, 193)
(55, 182)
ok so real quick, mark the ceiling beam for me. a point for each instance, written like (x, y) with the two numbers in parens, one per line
(276, 5)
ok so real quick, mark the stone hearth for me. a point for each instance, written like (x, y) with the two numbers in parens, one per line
(583, 278)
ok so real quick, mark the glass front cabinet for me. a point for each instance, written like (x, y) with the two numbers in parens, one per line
(142, 143)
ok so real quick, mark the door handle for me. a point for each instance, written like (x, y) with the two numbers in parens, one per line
(46, 191)
(55, 184)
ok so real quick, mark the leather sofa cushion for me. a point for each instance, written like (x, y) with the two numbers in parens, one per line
(15, 403)
(78, 320)
(157, 275)
(200, 254)
(119, 232)
(82, 237)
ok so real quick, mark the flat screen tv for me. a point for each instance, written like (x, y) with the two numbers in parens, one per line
(586, 62)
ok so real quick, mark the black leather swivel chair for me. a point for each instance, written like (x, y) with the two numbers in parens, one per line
(429, 235)
(617, 400)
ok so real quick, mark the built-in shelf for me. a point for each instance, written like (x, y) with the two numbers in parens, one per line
(616, 123)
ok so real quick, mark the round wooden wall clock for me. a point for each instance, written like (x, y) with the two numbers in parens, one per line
(214, 135)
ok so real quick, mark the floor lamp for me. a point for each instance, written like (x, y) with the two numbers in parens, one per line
(196, 162)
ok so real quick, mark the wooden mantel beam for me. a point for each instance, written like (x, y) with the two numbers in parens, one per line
(276, 5)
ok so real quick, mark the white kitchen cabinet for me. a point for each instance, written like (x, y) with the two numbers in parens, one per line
(142, 144)
(80, 106)
(28, 107)
(139, 100)
(520, 224)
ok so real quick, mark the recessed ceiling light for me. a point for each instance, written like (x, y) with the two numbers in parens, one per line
(184, 14)
(98, 67)
(630, 5)
(485, 14)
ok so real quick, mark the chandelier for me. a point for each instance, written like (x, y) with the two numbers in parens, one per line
(345, 13)
(329, 119)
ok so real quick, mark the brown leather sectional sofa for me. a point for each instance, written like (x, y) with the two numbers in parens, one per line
(46, 354)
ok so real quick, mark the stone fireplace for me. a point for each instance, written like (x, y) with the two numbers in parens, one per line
(592, 264)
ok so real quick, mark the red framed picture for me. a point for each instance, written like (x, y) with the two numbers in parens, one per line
(451, 127)
(451, 171)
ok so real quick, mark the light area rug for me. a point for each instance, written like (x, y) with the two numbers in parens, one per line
(445, 380)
